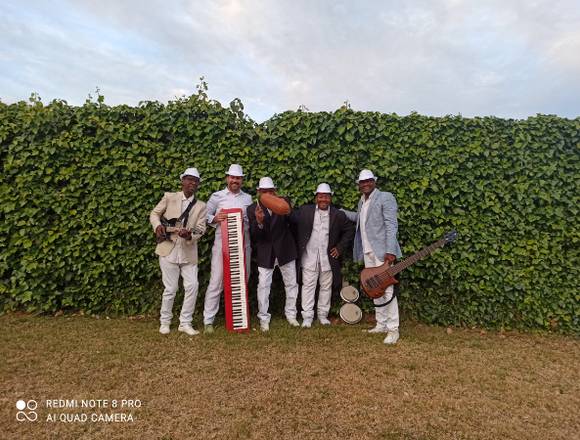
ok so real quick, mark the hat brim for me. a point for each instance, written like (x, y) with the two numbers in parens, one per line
(191, 175)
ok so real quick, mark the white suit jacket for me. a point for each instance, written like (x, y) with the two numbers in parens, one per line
(170, 207)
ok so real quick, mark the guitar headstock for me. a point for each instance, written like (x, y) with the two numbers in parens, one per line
(450, 237)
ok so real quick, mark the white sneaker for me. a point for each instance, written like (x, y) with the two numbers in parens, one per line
(265, 326)
(186, 328)
(208, 329)
(392, 337)
(164, 329)
(293, 322)
(324, 321)
(306, 324)
(376, 329)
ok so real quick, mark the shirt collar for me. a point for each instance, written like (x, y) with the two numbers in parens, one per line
(370, 196)
(183, 198)
(227, 190)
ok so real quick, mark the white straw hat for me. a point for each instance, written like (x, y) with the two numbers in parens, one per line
(323, 188)
(266, 183)
(190, 172)
(235, 170)
(365, 175)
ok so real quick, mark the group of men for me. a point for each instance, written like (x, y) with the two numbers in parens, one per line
(310, 240)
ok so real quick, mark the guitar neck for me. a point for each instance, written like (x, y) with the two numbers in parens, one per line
(416, 257)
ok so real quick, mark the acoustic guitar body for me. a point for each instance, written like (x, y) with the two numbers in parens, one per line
(374, 280)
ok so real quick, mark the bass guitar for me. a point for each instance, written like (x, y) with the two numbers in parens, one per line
(374, 280)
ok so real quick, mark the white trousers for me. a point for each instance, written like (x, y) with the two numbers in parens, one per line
(310, 278)
(216, 281)
(386, 316)
(288, 272)
(170, 275)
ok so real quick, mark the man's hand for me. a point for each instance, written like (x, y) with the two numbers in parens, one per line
(220, 216)
(334, 252)
(185, 233)
(259, 214)
(160, 232)
(390, 258)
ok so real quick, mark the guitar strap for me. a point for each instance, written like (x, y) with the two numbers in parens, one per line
(184, 217)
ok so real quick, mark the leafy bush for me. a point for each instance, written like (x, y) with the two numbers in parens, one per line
(78, 184)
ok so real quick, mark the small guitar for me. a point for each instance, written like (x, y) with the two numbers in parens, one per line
(374, 280)
(173, 225)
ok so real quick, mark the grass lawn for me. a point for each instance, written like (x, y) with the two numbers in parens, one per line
(289, 384)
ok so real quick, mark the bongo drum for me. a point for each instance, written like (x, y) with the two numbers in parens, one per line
(350, 313)
(349, 294)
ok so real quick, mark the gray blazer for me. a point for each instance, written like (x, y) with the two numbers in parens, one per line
(381, 226)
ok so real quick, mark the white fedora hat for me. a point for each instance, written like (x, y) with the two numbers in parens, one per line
(235, 170)
(190, 172)
(323, 188)
(266, 183)
(365, 175)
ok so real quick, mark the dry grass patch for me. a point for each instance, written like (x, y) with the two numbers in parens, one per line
(291, 383)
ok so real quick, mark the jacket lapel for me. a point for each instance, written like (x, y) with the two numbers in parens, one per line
(372, 203)
(360, 204)
(192, 219)
(310, 218)
(332, 219)
(273, 219)
(267, 217)
(174, 208)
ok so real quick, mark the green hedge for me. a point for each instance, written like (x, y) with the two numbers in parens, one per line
(78, 184)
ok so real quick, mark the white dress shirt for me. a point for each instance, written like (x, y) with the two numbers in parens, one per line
(316, 252)
(226, 199)
(364, 211)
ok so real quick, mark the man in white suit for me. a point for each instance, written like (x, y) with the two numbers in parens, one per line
(376, 242)
(178, 250)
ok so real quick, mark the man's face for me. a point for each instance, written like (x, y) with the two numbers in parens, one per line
(234, 183)
(189, 184)
(267, 191)
(367, 186)
(323, 200)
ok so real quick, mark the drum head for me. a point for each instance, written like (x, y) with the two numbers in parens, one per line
(350, 313)
(349, 294)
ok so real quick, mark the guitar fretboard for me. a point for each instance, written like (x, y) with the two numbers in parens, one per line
(394, 270)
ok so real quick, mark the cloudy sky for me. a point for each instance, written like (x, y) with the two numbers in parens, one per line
(507, 58)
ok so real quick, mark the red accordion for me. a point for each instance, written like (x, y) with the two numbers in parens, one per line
(235, 278)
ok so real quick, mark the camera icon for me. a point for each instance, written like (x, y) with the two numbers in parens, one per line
(26, 411)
